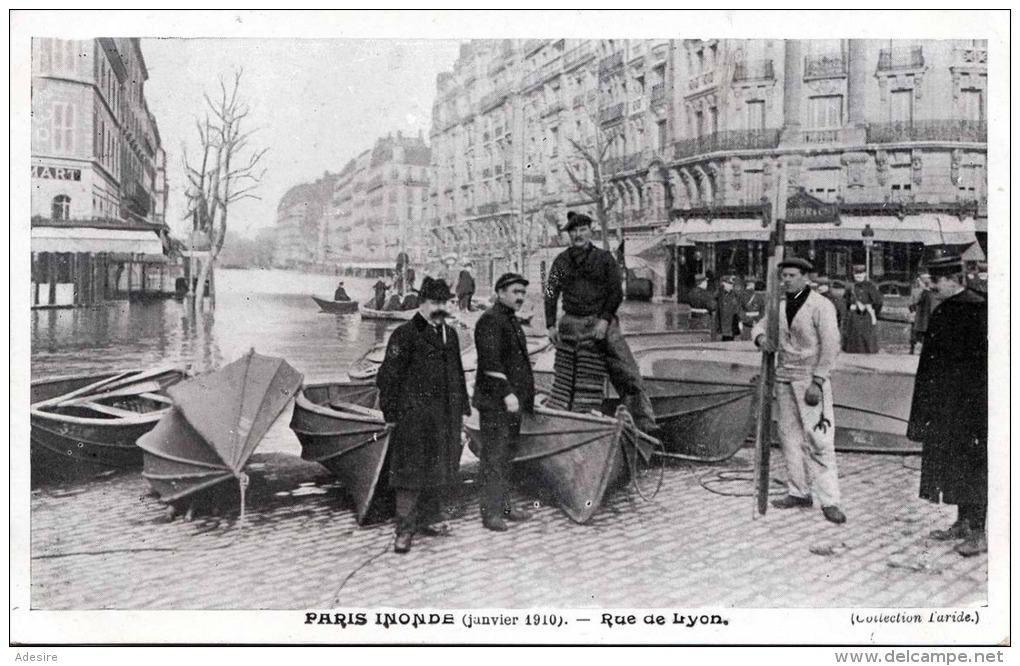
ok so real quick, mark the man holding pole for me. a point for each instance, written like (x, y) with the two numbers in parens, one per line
(808, 346)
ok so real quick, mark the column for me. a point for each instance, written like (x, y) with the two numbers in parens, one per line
(856, 131)
(793, 90)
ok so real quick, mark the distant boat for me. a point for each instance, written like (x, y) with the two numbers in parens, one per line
(88, 424)
(336, 307)
(402, 315)
(340, 427)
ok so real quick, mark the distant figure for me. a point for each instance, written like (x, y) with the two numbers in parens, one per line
(465, 288)
(411, 301)
(727, 314)
(393, 303)
(825, 289)
(949, 412)
(340, 294)
(752, 303)
(702, 303)
(379, 301)
(863, 304)
(922, 302)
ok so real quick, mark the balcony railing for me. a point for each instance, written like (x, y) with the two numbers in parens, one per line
(658, 92)
(754, 72)
(825, 66)
(492, 100)
(575, 55)
(912, 58)
(609, 63)
(971, 131)
(970, 57)
(732, 140)
(611, 113)
(821, 136)
(701, 81)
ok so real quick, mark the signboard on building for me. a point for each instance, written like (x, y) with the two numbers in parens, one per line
(803, 208)
(55, 173)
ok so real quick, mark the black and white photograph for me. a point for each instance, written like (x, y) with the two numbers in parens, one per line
(510, 327)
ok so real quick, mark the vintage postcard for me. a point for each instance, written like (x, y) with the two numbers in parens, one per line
(524, 327)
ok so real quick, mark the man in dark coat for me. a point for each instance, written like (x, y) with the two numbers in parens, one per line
(728, 310)
(504, 389)
(380, 289)
(702, 304)
(825, 289)
(922, 304)
(588, 279)
(423, 395)
(341, 294)
(863, 305)
(949, 412)
(465, 288)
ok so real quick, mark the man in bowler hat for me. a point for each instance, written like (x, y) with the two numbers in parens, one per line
(588, 278)
(949, 411)
(424, 398)
(504, 389)
(808, 347)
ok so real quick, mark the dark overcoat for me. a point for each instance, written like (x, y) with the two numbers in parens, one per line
(502, 347)
(949, 412)
(728, 312)
(422, 391)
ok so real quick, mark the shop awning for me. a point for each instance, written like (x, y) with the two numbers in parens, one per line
(929, 229)
(93, 240)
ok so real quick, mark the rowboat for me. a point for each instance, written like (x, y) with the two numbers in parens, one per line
(400, 315)
(642, 340)
(340, 427)
(88, 424)
(336, 307)
(576, 457)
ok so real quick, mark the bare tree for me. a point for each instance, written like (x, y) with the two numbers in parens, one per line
(227, 171)
(592, 180)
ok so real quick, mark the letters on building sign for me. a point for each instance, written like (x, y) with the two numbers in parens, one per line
(56, 173)
(803, 208)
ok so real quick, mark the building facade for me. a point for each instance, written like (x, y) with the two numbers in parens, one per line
(98, 173)
(300, 222)
(686, 141)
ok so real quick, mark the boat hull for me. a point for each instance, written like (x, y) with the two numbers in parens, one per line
(575, 457)
(336, 307)
(397, 315)
(352, 446)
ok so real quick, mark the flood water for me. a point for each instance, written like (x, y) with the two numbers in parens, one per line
(270, 311)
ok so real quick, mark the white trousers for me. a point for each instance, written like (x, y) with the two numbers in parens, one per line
(809, 445)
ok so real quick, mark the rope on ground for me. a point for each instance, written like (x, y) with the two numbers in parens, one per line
(638, 446)
(336, 596)
(737, 476)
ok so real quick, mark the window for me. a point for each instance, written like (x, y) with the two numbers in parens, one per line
(59, 56)
(660, 135)
(973, 105)
(970, 177)
(823, 183)
(554, 141)
(63, 128)
(699, 123)
(755, 113)
(754, 185)
(901, 107)
(713, 119)
(899, 178)
(825, 112)
(61, 207)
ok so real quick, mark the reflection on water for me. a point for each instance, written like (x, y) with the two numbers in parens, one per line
(270, 311)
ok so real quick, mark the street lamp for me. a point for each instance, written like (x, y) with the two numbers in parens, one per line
(869, 234)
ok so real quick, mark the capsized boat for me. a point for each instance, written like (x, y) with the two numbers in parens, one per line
(340, 427)
(87, 424)
(336, 307)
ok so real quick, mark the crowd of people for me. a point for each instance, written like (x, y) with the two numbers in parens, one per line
(424, 396)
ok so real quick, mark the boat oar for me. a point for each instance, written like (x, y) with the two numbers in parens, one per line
(91, 388)
(128, 390)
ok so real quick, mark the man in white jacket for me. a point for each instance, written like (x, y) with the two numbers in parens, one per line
(808, 347)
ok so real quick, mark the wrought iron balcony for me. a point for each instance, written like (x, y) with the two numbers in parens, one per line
(611, 113)
(901, 58)
(971, 131)
(610, 63)
(705, 80)
(756, 71)
(971, 57)
(732, 140)
(832, 65)
(658, 92)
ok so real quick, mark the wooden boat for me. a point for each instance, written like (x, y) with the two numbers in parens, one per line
(340, 428)
(336, 307)
(577, 457)
(400, 315)
(88, 424)
(642, 340)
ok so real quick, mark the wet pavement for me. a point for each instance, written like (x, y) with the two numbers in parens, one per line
(695, 544)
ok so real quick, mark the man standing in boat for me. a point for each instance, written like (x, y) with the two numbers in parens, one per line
(949, 412)
(424, 397)
(504, 389)
(808, 347)
(589, 280)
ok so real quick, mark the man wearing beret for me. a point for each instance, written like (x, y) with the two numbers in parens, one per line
(589, 280)
(863, 305)
(424, 398)
(808, 347)
(505, 388)
(949, 412)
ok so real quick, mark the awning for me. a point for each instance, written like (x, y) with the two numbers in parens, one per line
(647, 246)
(929, 229)
(89, 239)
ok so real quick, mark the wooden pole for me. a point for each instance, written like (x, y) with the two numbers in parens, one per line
(767, 376)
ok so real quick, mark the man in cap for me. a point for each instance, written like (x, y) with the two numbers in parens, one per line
(922, 302)
(465, 287)
(863, 304)
(702, 303)
(504, 389)
(728, 310)
(949, 412)
(808, 347)
(589, 280)
(424, 398)
(825, 289)
(752, 304)
(340, 294)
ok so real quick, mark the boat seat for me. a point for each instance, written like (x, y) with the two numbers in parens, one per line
(355, 409)
(157, 398)
(107, 409)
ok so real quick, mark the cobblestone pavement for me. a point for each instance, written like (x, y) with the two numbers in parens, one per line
(109, 545)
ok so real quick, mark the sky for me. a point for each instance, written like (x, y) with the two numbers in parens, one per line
(317, 103)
